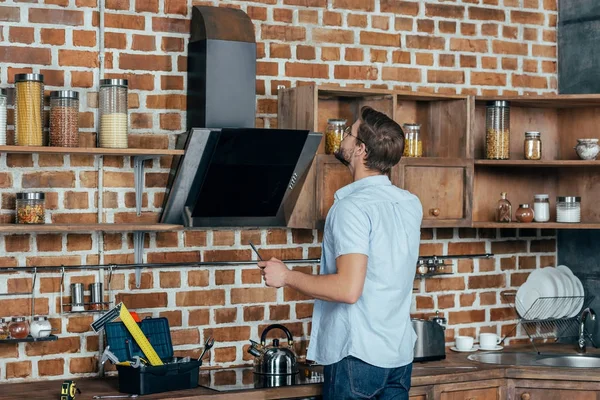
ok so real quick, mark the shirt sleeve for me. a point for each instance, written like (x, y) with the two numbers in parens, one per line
(352, 228)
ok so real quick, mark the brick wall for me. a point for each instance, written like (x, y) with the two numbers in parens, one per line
(470, 46)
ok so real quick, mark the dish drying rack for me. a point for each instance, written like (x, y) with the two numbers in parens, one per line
(550, 328)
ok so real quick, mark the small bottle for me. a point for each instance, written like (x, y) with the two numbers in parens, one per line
(524, 213)
(18, 328)
(541, 208)
(4, 334)
(504, 209)
(532, 148)
(40, 327)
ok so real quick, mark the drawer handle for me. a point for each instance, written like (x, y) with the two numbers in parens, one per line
(525, 396)
(435, 212)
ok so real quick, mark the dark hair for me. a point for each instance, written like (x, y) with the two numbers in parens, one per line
(383, 138)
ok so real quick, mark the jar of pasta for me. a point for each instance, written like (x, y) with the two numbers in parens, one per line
(30, 208)
(413, 146)
(113, 113)
(334, 135)
(29, 109)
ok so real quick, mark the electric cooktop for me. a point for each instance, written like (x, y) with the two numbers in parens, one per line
(244, 378)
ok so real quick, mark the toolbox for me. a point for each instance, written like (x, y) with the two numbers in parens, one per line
(147, 379)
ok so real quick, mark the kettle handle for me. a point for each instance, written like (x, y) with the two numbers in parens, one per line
(263, 337)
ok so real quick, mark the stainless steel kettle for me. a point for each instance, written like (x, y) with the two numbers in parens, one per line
(274, 360)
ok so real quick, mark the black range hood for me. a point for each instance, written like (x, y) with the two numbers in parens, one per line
(238, 176)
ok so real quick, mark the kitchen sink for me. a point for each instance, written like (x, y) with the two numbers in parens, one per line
(533, 359)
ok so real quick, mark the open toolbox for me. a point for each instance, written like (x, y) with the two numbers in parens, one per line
(147, 379)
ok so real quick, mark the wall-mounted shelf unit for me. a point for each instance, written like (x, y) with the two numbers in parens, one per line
(70, 228)
(96, 151)
(30, 339)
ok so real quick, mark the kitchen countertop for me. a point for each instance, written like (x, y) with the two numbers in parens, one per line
(430, 373)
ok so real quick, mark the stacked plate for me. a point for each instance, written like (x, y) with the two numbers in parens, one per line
(559, 291)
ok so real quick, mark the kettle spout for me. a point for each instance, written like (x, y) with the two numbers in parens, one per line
(255, 349)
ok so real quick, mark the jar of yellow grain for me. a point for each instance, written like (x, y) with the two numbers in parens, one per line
(334, 135)
(413, 145)
(113, 113)
(29, 109)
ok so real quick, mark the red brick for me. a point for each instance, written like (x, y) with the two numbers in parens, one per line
(279, 312)
(145, 62)
(55, 17)
(17, 243)
(308, 16)
(113, 40)
(170, 279)
(337, 36)
(469, 45)
(399, 7)
(527, 18)
(488, 79)
(357, 20)
(69, 344)
(123, 21)
(379, 39)
(195, 238)
(444, 284)
(78, 58)
(200, 298)
(83, 365)
(253, 295)
(486, 14)
(82, 79)
(84, 38)
(17, 34)
(10, 14)
(444, 11)
(306, 3)
(503, 314)
(79, 324)
(19, 285)
(279, 14)
(425, 42)
(199, 317)
(79, 242)
(225, 354)
(466, 317)
(21, 369)
(173, 25)
(487, 281)
(454, 77)
(225, 315)
(185, 336)
(355, 72)
(171, 82)
(143, 300)
(401, 74)
(166, 102)
(146, 6)
(14, 54)
(278, 50)
(304, 53)
(500, 47)
(359, 5)
(226, 277)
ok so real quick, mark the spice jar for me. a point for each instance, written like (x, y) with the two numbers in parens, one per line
(64, 118)
(541, 208)
(334, 135)
(503, 209)
(113, 113)
(568, 209)
(3, 103)
(29, 109)
(497, 126)
(4, 334)
(524, 213)
(413, 146)
(40, 327)
(532, 148)
(18, 328)
(96, 296)
(30, 208)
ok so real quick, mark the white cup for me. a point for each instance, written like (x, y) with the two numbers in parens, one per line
(464, 342)
(488, 341)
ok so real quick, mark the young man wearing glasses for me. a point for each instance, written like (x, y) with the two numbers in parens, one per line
(361, 329)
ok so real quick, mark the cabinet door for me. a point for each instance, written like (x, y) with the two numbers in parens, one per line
(478, 390)
(444, 190)
(331, 176)
(534, 389)
(473, 394)
(554, 394)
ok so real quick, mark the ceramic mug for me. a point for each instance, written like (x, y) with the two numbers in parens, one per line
(489, 341)
(464, 342)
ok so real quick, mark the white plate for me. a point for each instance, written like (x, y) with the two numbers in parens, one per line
(577, 289)
(526, 296)
(542, 282)
(471, 350)
(567, 305)
(498, 347)
(556, 308)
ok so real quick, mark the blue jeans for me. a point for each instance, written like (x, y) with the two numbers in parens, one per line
(352, 378)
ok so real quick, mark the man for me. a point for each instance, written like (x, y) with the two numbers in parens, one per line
(361, 327)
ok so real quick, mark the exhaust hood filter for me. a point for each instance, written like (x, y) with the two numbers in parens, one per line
(239, 177)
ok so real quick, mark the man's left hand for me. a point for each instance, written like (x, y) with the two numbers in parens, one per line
(274, 272)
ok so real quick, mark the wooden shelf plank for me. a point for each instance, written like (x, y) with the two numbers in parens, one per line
(31, 228)
(89, 151)
(549, 101)
(536, 225)
(541, 163)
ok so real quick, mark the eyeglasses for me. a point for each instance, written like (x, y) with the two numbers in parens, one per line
(347, 133)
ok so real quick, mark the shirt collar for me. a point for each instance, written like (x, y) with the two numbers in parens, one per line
(376, 180)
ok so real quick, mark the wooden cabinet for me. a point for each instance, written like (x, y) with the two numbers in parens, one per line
(534, 389)
(494, 389)
(331, 175)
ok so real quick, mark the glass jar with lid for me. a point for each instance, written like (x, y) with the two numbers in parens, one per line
(29, 109)
(532, 148)
(541, 208)
(4, 334)
(30, 208)
(497, 130)
(503, 209)
(334, 135)
(413, 146)
(3, 105)
(40, 327)
(18, 328)
(113, 113)
(568, 209)
(64, 118)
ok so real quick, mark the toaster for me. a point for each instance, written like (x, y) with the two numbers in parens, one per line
(431, 340)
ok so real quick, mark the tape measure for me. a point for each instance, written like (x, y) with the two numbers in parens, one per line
(121, 311)
(68, 390)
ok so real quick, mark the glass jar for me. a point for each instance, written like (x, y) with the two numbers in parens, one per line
(113, 113)
(3, 103)
(541, 208)
(30, 208)
(413, 146)
(4, 334)
(64, 118)
(40, 327)
(524, 213)
(334, 135)
(29, 109)
(568, 209)
(532, 148)
(497, 128)
(18, 328)
(503, 209)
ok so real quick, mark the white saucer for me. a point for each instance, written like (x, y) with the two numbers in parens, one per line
(498, 347)
(471, 350)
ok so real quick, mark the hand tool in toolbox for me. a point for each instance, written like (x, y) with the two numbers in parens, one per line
(68, 390)
(120, 311)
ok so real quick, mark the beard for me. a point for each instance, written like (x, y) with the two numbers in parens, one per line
(340, 154)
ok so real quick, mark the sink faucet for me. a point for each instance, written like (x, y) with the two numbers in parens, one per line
(584, 315)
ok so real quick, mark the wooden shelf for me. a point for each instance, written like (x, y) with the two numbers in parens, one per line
(541, 163)
(89, 151)
(30, 339)
(535, 225)
(48, 228)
